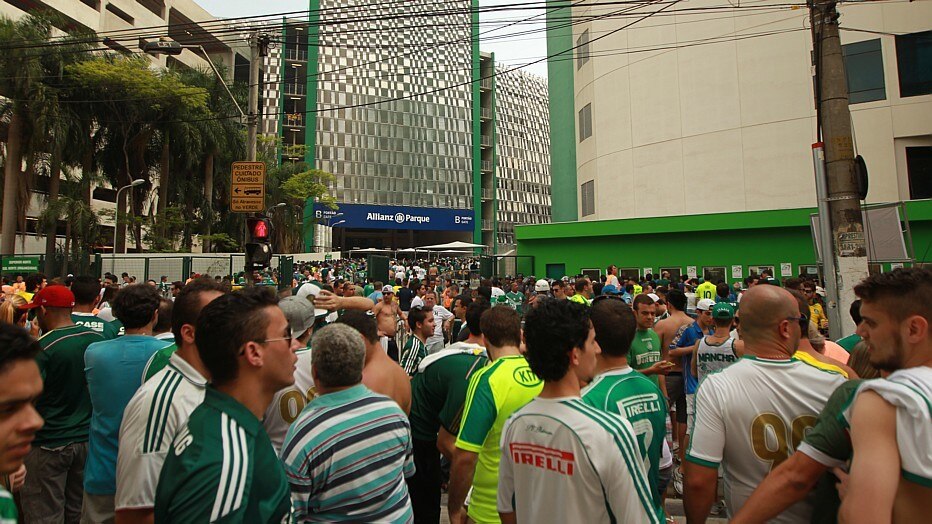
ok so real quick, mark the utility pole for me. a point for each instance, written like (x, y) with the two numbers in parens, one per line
(847, 246)
(259, 47)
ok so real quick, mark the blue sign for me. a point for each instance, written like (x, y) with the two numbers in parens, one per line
(365, 216)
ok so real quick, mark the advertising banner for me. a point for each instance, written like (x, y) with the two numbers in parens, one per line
(365, 216)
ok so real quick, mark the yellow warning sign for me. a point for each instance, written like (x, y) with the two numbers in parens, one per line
(247, 190)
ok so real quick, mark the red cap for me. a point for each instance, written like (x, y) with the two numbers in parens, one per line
(52, 296)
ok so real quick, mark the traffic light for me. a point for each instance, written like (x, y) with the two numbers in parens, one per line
(258, 247)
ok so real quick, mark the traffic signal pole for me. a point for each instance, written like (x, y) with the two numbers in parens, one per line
(258, 46)
(847, 243)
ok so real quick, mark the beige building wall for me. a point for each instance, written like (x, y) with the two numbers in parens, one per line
(700, 111)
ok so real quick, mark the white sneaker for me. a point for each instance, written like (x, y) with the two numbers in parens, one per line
(678, 481)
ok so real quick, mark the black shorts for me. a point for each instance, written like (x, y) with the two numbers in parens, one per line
(677, 393)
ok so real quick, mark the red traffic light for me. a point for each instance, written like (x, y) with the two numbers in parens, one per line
(259, 229)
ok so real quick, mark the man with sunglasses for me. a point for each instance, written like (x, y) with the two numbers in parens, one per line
(816, 312)
(221, 465)
(751, 416)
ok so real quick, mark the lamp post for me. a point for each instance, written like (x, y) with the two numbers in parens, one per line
(276, 206)
(116, 219)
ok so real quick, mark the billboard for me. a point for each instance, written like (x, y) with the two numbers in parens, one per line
(366, 216)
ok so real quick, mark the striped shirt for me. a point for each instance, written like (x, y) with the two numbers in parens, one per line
(565, 461)
(412, 354)
(346, 458)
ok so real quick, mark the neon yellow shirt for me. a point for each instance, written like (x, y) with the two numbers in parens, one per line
(817, 316)
(809, 359)
(705, 290)
(495, 392)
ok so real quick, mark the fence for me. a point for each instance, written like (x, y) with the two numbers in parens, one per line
(58, 265)
(179, 266)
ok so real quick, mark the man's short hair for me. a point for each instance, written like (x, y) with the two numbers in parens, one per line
(638, 300)
(164, 322)
(16, 344)
(904, 292)
(464, 301)
(86, 289)
(362, 322)
(614, 325)
(803, 304)
(33, 282)
(227, 324)
(677, 299)
(551, 331)
(722, 290)
(581, 284)
(134, 305)
(501, 326)
(556, 284)
(855, 312)
(474, 313)
(339, 356)
(187, 307)
(416, 316)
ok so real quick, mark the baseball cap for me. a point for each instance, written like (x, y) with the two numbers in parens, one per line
(723, 310)
(541, 286)
(307, 289)
(388, 289)
(299, 312)
(654, 296)
(52, 296)
(705, 304)
(610, 289)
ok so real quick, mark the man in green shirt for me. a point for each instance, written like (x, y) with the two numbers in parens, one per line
(852, 340)
(494, 394)
(221, 466)
(54, 487)
(20, 386)
(516, 298)
(645, 355)
(618, 389)
(86, 296)
(421, 322)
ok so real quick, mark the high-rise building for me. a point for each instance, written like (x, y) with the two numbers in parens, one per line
(397, 102)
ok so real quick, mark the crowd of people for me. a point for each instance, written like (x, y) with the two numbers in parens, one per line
(346, 398)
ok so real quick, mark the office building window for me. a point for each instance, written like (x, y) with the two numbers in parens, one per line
(914, 63)
(587, 191)
(582, 49)
(864, 69)
(585, 122)
(919, 170)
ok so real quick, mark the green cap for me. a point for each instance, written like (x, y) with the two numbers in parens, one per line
(723, 310)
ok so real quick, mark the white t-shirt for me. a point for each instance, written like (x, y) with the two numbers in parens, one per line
(747, 417)
(565, 461)
(158, 409)
(417, 301)
(289, 402)
(441, 314)
(910, 391)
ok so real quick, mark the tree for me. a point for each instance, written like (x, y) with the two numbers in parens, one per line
(82, 224)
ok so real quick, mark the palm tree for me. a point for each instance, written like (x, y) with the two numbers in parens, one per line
(82, 225)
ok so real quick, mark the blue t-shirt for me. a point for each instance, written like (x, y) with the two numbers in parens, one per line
(690, 336)
(375, 297)
(114, 372)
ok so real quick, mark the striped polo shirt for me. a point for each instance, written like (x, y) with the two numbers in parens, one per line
(346, 458)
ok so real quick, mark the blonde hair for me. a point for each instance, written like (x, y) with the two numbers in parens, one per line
(8, 308)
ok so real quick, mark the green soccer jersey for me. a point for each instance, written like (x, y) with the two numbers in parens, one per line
(7, 507)
(438, 393)
(630, 394)
(517, 301)
(645, 351)
(158, 361)
(221, 467)
(65, 403)
(99, 325)
(411, 355)
(849, 342)
(494, 393)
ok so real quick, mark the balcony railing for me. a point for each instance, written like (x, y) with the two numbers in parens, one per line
(295, 89)
(486, 141)
(487, 165)
(488, 193)
(296, 55)
(294, 120)
(486, 113)
(485, 83)
(488, 225)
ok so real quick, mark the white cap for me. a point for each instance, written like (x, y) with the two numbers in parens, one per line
(705, 304)
(541, 286)
(307, 289)
(654, 297)
(497, 292)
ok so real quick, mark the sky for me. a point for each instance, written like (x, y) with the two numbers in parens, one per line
(509, 50)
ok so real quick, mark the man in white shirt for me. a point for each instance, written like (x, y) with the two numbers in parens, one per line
(443, 319)
(751, 416)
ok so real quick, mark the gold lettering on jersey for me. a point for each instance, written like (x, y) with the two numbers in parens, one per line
(559, 461)
(770, 439)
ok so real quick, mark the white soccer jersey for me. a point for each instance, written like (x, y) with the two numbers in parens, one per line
(289, 402)
(910, 391)
(751, 416)
(565, 461)
(158, 410)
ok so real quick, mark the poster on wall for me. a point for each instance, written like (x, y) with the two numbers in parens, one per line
(737, 272)
(786, 269)
(896, 265)
(691, 271)
(648, 271)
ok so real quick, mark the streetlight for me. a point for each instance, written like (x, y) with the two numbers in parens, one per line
(116, 218)
(276, 206)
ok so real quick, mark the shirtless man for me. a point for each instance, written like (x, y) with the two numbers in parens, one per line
(380, 373)
(386, 315)
(667, 329)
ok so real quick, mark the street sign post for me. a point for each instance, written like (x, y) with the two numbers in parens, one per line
(247, 191)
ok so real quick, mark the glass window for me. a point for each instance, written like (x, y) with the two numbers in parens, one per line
(585, 122)
(864, 70)
(914, 63)
(919, 170)
(587, 190)
(582, 49)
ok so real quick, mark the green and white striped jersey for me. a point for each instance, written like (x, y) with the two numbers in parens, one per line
(565, 461)
(155, 414)
(222, 468)
(7, 507)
